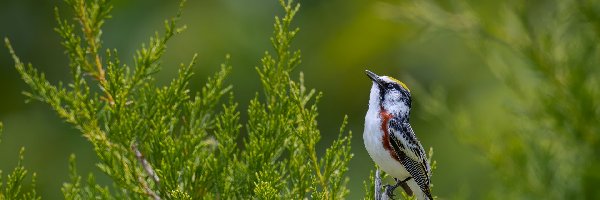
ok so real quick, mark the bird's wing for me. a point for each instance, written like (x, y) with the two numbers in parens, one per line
(411, 153)
(418, 148)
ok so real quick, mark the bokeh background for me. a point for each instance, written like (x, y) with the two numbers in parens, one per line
(505, 92)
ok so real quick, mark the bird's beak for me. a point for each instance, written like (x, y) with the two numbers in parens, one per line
(373, 77)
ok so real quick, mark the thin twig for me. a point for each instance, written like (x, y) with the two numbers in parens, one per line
(379, 189)
(377, 185)
(148, 190)
(148, 168)
(145, 164)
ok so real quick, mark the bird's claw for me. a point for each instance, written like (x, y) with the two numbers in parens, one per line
(389, 190)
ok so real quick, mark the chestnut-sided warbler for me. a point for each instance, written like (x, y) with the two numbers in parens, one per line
(390, 140)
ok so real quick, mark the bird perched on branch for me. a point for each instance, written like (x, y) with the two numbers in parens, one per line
(390, 140)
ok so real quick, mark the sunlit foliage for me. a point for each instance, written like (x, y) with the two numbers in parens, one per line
(165, 142)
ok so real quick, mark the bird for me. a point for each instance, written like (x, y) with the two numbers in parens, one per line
(391, 141)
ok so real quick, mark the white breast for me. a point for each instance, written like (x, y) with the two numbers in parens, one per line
(372, 137)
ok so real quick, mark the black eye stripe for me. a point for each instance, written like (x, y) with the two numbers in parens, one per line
(381, 94)
(394, 86)
(388, 87)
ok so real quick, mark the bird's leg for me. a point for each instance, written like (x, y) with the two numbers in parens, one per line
(389, 189)
(405, 186)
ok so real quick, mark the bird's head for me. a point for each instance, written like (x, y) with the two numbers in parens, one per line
(389, 94)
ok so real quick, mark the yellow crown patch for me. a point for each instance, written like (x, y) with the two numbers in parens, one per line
(400, 82)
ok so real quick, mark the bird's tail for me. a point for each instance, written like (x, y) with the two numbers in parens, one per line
(420, 194)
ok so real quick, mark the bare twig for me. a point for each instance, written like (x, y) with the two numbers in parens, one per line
(377, 185)
(147, 189)
(145, 164)
(148, 169)
(379, 188)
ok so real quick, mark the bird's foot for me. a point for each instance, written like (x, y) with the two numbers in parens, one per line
(389, 190)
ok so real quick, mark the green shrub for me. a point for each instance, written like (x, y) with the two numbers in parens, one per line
(169, 143)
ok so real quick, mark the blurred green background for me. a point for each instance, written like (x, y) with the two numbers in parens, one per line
(473, 112)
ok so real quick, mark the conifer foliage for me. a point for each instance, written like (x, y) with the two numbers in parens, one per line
(165, 142)
(13, 186)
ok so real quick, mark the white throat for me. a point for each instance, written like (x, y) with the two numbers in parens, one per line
(390, 106)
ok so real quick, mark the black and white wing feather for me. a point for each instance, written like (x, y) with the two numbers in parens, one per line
(411, 153)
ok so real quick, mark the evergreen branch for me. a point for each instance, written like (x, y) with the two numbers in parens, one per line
(91, 18)
(77, 55)
(42, 89)
(13, 187)
(76, 190)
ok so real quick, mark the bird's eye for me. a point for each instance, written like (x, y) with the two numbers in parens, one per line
(389, 86)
